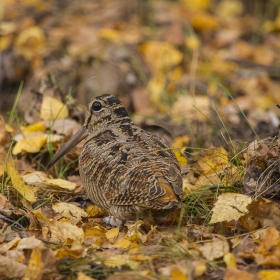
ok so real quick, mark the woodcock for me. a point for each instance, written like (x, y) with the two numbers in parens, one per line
(127, 172)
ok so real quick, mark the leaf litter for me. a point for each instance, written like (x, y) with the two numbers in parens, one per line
(172, 67)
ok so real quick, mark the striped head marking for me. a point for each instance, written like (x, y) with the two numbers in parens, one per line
(104, 110)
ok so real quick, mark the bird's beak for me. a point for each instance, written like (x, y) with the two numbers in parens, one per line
(77, 138)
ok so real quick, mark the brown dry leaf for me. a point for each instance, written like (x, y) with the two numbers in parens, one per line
(233, 274)
(33, 178)
(61, 231)
(214, 249)
(185, 108)
(82, 276)
(30, 42)
(35, 265)
(30, 144)
(4, 136)
(53, 109)
(76, 251)
(18, 183)
(5, 247)
(10, 269)
(5, 206)
(60, 183)
(69, 210)
(67, 127)
(266, 212)
(29, 243)
(230, 206)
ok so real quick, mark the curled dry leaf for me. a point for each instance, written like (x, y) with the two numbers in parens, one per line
(10, 269)
(230, 206)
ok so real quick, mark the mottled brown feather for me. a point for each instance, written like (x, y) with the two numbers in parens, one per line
(126, 171)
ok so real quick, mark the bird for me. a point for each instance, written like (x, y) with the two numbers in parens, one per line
(127, 172)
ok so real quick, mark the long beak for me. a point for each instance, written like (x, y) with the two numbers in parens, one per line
(77, 138)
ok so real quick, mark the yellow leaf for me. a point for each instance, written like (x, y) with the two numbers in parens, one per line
(39, 215)
(161, 56)
(230, 206)
(9, 129)
(181, 141)
(177, 274)
(204, 21)
(36, 127)
(53, 109)
(30, 42)
(192, 43)
(230, 261)
(156, 87)
(212, 161)
(63, 184)
(35, 265)
(61, 231)
(197, 4)
(110, 34)
(120, 260)
(30, 144)
(94, 211)
(20, 186)
(69, 210)
(269, 274)
(179, 153)
(123, 244)
(112, 234)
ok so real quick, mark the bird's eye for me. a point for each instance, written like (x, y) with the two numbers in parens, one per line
(96, 106)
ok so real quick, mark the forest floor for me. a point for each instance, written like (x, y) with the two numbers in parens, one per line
(203, 75)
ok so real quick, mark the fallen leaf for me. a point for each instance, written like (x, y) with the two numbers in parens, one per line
(268, 274)
(10, 269)
(161, 56)
(82, 276)
(63, 184)
(214, 249)
(52, 109)
(230, 206)
(112, 234)
(233, 274)
(20, 186)
(29, 243)
(61, 231)
(230, 260)
(35, 265)
(36, 127)
(30, 144)
(69, 210)
(30, 42)
(94, 211)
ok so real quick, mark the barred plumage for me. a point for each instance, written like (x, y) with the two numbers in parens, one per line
(126, 171)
